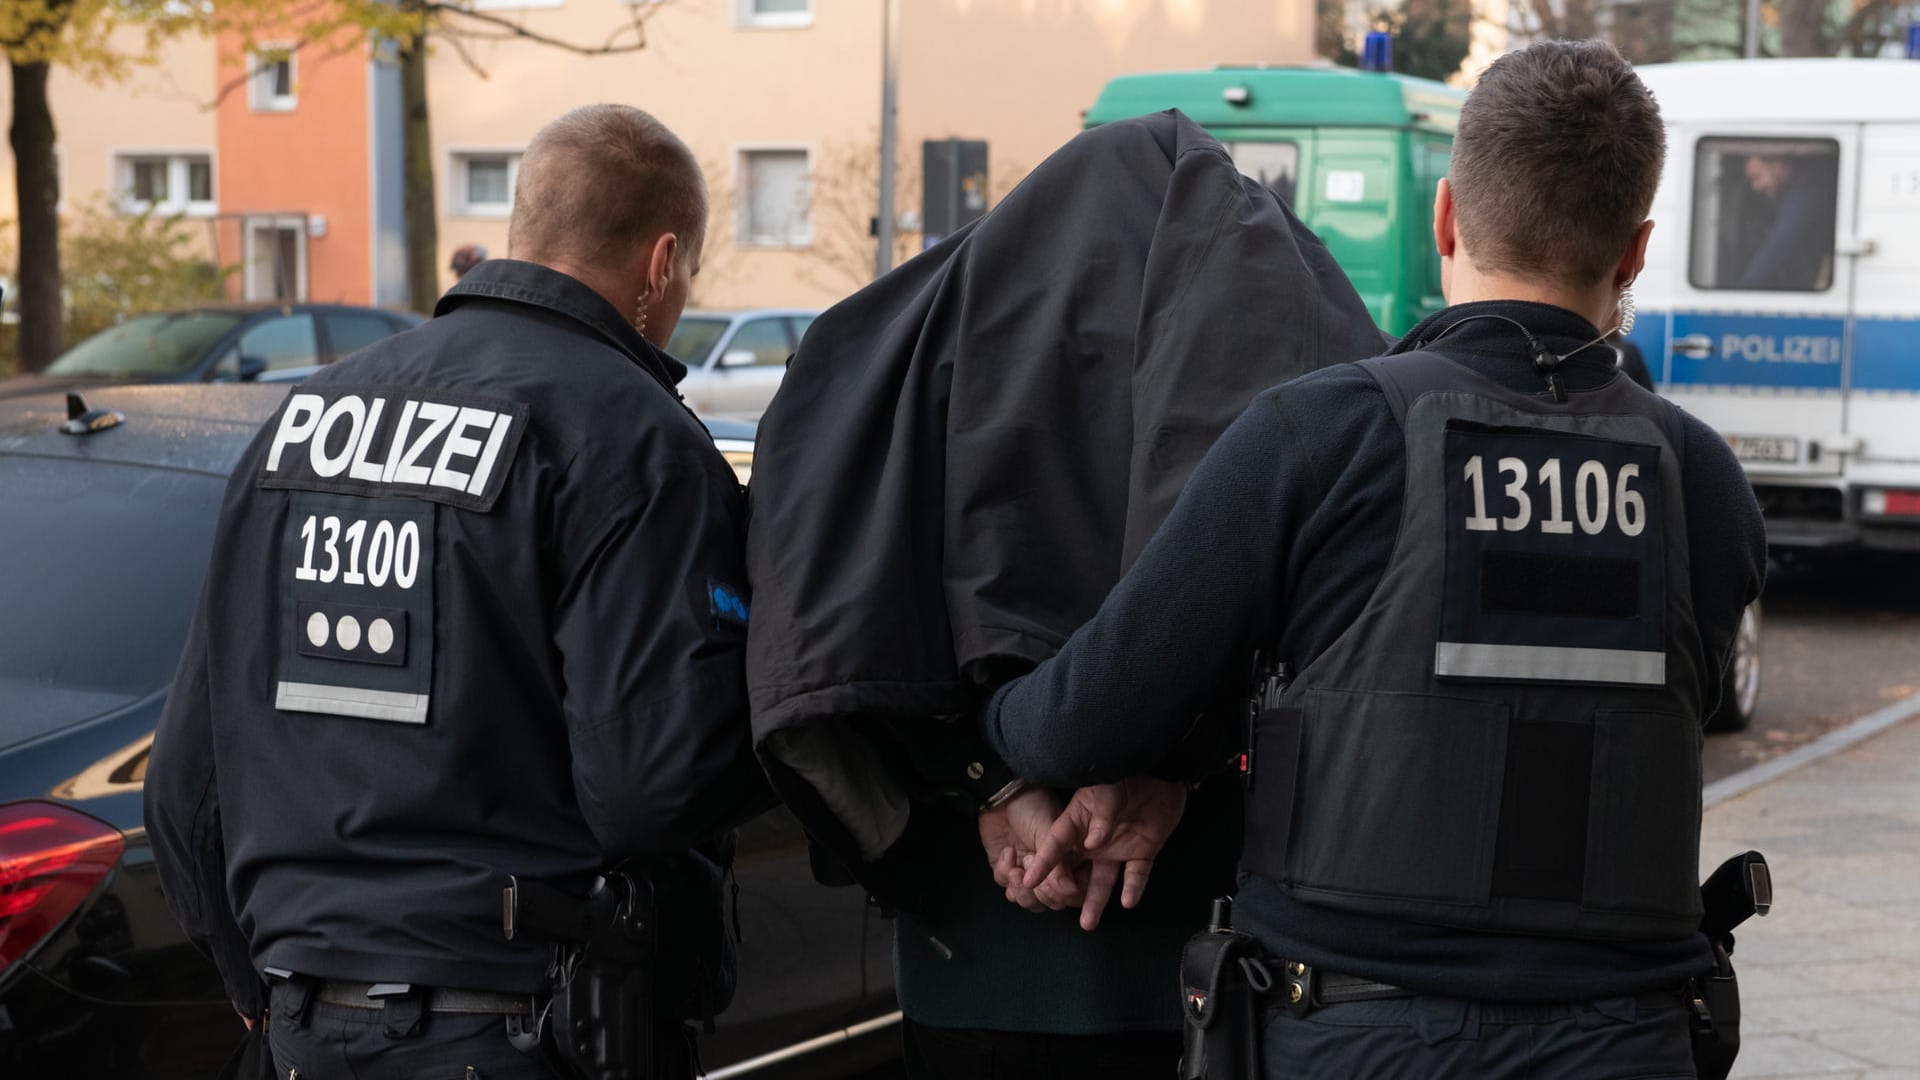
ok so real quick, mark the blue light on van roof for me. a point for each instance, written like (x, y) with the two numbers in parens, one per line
(1376, 54)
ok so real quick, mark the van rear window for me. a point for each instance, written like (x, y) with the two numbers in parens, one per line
(1764, 213)
(1275, 164)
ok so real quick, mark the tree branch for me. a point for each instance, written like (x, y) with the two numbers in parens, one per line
(1855, 33)
(227, 88)
(466, 56)
(636, 25)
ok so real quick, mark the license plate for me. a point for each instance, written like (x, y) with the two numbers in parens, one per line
(1770, 449)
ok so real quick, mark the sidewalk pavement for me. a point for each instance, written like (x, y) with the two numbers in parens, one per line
(1830, 981)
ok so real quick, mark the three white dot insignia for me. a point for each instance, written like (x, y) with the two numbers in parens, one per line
(347, 632)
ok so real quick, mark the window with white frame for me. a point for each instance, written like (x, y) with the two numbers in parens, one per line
(166, 182)
(775, 206)
(483, 182)
(773, 12)
(271, 86)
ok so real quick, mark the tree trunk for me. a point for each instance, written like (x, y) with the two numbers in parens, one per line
(1582, 21)
(1803, 30)
(1644, 31)
(37, 182)
(1867, 29)
(423, 228)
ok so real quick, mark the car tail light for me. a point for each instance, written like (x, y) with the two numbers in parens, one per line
(1880, 503)
(51, 860)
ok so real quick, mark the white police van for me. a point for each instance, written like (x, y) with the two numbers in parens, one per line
(1781, 297)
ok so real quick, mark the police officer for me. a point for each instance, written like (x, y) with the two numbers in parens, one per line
(1504, 581)
(474, 611)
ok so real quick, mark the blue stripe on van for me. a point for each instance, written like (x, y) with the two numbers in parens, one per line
(1799, 352)
(1886, 354)
(1650, 334)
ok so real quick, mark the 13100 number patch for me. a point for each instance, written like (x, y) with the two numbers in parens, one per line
(392, 552)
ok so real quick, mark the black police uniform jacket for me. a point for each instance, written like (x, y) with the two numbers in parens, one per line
(475, 609)
(1558, 864)
(965, 455)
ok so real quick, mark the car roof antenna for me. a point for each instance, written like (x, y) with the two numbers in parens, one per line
(84, 421)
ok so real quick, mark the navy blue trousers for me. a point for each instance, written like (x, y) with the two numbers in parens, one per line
(1430, 1038)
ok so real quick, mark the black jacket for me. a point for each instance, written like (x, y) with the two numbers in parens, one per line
(965, 455)
(495, 628)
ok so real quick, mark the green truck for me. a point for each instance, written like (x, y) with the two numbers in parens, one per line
(1357, 154)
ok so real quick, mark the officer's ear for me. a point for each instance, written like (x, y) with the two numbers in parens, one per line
(1445, 240)
(660, 261)
(1635, 259)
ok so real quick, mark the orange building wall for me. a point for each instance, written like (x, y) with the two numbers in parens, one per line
(312, 159)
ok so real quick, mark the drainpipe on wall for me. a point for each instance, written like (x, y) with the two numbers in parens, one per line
(889, 76)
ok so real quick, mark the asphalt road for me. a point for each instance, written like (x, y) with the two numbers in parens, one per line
(1840, 637)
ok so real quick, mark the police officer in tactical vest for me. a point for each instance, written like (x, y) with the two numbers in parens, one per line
(475, 619)
(1497, 584)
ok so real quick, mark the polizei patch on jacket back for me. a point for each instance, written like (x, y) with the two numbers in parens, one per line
(405, 442)
(1556, 559)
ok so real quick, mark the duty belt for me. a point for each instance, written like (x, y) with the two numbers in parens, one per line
(362, 995)
(1227, 982)
(1304, 988)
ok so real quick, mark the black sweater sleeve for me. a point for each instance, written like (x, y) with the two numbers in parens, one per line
(183, 824)
(1726, 548)
(1182, 622)
(651, 631)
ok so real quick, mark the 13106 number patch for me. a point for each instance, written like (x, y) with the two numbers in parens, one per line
(1602, 496)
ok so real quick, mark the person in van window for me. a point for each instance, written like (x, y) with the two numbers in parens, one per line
(1793, 253)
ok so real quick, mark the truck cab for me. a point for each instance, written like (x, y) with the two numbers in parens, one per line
(1357, 154)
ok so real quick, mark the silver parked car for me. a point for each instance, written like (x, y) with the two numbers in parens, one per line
(735, 359)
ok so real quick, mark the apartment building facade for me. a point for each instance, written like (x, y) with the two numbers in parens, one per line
(293, 160)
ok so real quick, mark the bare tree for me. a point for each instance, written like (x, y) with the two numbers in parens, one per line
(36, 36)
(1555, 19)
(1819, 28)
(844, 195)
(413, 27)
(1650, 31)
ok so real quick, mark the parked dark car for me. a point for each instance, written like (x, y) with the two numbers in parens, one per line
(105, 538)
(217, 343)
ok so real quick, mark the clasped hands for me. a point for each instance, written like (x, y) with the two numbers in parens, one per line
(1050, 857)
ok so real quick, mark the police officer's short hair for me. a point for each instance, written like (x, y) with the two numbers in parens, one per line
(1556, 161)
(600, 181)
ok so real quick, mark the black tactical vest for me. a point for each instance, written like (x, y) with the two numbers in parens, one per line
(1508, 737)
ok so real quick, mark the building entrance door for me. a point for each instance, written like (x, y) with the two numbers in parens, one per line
(276, 258)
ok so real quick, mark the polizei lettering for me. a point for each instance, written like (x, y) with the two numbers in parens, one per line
(1768, 349)
(447, 447)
